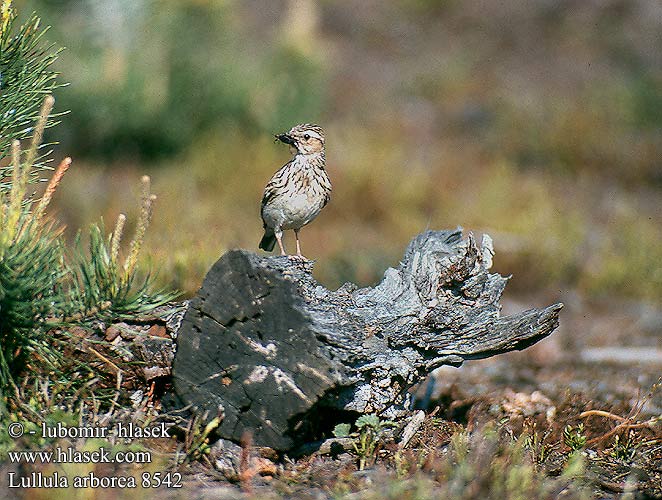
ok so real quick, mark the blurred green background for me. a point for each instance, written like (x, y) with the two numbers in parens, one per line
(537, 122)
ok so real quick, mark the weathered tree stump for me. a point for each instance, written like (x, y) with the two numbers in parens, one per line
(277, 353)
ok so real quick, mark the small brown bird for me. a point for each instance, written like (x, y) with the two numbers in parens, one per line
(299, 190)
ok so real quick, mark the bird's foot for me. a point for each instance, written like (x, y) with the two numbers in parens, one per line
(298, 257)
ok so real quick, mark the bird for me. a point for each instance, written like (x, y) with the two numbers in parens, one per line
(299, 190)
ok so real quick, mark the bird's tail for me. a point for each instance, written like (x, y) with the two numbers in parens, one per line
(268, 241)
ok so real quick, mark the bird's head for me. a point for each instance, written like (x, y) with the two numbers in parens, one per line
(306, 138)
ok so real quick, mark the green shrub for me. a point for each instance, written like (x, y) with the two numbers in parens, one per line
(147, 80)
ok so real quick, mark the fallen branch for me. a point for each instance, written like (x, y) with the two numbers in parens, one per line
(286, 359)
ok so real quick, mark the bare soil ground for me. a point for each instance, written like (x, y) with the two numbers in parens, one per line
(521, 413)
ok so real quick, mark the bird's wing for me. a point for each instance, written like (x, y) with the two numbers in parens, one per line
(276, 184)
(327, 195)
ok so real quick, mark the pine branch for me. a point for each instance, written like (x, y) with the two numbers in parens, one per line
(26, 77)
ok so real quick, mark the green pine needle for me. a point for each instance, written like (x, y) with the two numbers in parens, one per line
(26, 77)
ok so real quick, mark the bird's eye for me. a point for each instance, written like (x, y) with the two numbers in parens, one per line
(306, 136)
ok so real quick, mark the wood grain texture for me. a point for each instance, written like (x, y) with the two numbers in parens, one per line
(283, 357)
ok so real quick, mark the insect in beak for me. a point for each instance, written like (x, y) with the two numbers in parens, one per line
(286, 138)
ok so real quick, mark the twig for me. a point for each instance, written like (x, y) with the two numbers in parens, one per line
(105, 359)
(601, 413)
(150, 395)
(117, 395)
(189, 435)
(84, 386)
(411, 428)
(246, 472)
(626, 424)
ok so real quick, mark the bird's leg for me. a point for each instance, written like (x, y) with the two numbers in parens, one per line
(296, 235)
(279, 239)
(298, 256)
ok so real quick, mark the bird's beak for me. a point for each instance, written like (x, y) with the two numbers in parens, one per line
(286, 138)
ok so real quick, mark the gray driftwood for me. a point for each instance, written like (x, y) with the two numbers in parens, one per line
(284, 358)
